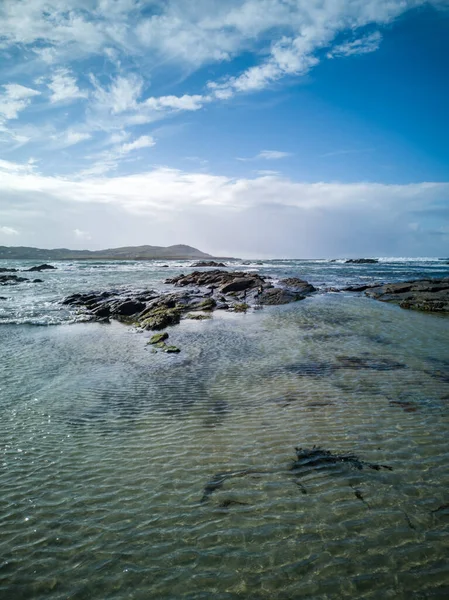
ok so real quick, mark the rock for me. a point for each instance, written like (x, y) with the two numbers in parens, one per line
(5, 270)
(218, 279)
(102, 312)
(3, 298)
(239, 284)
(38, 281)
(208, 263)
(360, 288)
(128, 308)
(11, 279)
(158, 337)
(297, 285)
(240, 307)
(198, 316)
(160, 318)
(172, 350)
(43, 267)
(430, 295)
(275, 296)
(362, 261)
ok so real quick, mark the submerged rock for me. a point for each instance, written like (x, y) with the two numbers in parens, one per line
(430, 295)
(317, 458)
(362, 261)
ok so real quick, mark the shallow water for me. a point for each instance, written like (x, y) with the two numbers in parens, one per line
(106, 449)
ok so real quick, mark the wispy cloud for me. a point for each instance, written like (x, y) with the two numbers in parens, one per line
(14, 99)
(267, 155)
(8, 230)
(363, 45)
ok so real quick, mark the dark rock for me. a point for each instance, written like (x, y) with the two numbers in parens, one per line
(198, 316)
(295, 284)
(11, 279)
(5, 270)
(360, 288)
(103, 311)
(171, 350)
(431, 295)
(38, 281)
(127, 308)
(238, 284)
(362, 261)
(208, 263)
(217, 279)
(3, 298)
(43, 267)
(275, 296)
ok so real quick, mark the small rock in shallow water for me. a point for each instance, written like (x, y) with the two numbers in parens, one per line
(158, 337)
(171, 350)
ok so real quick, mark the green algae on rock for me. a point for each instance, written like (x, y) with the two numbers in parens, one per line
(158, 337)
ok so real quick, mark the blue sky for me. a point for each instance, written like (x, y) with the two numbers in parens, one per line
(305, 128)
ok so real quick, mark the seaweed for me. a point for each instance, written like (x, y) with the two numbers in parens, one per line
(317, 458)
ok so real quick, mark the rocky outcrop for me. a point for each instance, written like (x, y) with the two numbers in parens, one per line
(362, 261)
(222, 290)
(239, 280)
(208, 263)
(5, 270)
(430, 295)
(43, 267)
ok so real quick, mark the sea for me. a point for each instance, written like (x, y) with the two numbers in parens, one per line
(132, 474)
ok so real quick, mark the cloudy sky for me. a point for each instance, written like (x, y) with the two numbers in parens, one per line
(284, 128)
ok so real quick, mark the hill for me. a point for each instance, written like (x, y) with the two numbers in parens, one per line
(179, 251)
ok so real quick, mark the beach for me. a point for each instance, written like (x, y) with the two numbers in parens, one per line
(110, 449)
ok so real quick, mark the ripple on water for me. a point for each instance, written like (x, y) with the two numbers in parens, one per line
(106, 450)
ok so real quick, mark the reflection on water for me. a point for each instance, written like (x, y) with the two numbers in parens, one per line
(107, 451)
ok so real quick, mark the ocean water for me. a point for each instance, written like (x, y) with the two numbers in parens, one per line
(108, 452)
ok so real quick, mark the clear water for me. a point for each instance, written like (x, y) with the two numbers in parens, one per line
(105, 447)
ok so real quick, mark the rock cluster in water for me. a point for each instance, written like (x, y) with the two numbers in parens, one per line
(15, 279)
(424, 294)
(225, 290)
(362, 261)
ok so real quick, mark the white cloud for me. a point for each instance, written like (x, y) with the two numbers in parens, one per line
(269, 214)
(267, 155)
(272, 154)
(14, 99)
(69, 138)
(82, 235)
(64, 87)
(122, 94)
(364, 45)
(144, 141)
(8, 230)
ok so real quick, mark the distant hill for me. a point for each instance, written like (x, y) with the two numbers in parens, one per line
(179, 251)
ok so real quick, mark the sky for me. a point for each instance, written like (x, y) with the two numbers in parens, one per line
(251, 128)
